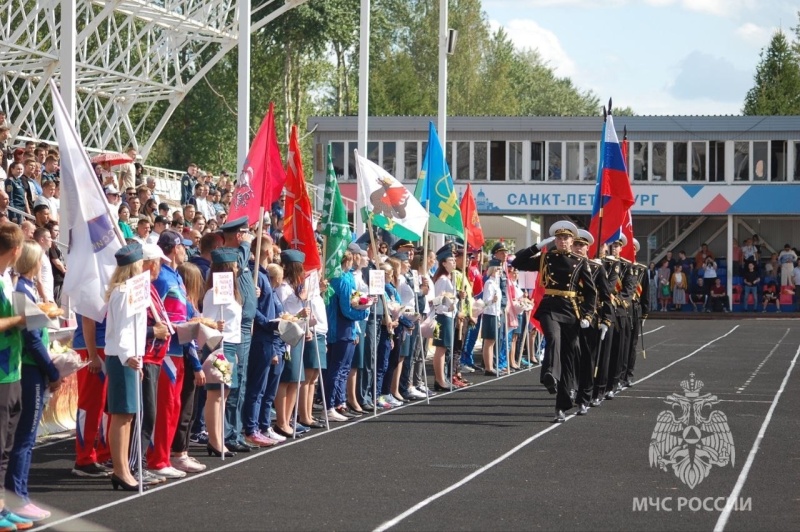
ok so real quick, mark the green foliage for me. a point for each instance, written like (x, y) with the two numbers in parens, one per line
(777, 80)
(306, 61)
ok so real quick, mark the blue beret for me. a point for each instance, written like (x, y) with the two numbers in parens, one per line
(223, 255)
(292, 255)
(235, 225)
(400, 255)
(447, 247)
(445, 253)
(129, 254)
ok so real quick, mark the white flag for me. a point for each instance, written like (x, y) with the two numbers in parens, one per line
(93, 235)
(390, 204)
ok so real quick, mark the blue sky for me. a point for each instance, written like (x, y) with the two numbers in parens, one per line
(660, 57)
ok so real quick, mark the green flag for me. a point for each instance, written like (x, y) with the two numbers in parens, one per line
(435, 186)
(333, 224)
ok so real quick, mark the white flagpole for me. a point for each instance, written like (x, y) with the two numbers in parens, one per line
(222, 395)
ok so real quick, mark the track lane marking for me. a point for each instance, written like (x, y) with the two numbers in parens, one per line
(758, 368)
(737, 489)
(422, 504)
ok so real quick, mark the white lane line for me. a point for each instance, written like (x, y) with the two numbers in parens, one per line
(258, 454)
(720, 400)
(753, 375)
(684, 358)
(422, 504)
(654, 330)
(737, 489)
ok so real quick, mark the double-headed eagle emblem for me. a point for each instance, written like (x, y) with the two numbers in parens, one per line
(691, 443)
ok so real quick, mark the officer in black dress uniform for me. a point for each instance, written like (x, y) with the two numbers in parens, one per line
(592, 338)
(566, 278)
(625, 287)
(639, 308)
(619, 333)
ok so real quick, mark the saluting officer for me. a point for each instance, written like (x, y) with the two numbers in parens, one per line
(639, 308)
(565, 276)
(592, 337)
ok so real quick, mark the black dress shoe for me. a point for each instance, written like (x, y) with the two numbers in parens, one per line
(237, 447)
(286, 434)
(367, 406)
(438, 388)
(490, 373)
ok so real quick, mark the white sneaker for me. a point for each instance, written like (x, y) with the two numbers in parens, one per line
(391, 400)
(272, 435)
(333, 415)
(413, 393)
(467, 369)
(187, 464)
(168, 472)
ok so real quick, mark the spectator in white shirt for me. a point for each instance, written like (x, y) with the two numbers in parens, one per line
(142, 231)
(48, 198)
(43, 237)
(159, 225)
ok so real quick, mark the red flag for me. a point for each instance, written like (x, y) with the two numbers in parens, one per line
(262, 177)
(472, 223)
(298, 228)
(628, 251)
(536, 299)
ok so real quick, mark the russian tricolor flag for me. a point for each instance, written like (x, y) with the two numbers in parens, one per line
(613, 196)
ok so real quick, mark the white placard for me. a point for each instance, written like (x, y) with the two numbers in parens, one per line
(223, 288)
(415, 276)
(377, 282)
(527, 280)
(138, 293)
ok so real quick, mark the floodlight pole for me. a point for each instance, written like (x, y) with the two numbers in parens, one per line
(443, 38)
(243, 118)
(363, 98)
(67, 55)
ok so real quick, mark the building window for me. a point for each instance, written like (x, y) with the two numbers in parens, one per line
(716, 161)
(448, 157)
(698, 161)
(537, 160)
(374, 152)
(777, 167)
(797, 161)
(515, 161)
(337, 150)
(589, 161)
(554, 161)
(640, 157)
(480, 155)
(659, 161)
(410, 152)
(741, 161)
(679, 161)
(462, 161)
(351, 159)
(497, 160)
(390, 157)
(574, 167)
(760, 160)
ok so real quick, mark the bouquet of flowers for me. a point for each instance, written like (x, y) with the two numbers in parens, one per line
(66, 360)
(217, 369)
(359, 299)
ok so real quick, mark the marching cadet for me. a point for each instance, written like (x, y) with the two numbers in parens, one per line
(625, 287)
(592, 337)
(565, 277)
(638, 311)
(608, 363)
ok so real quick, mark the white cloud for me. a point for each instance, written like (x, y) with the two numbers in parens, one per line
(527, 34)
(755, 34)
(720, 8)
(702, 75)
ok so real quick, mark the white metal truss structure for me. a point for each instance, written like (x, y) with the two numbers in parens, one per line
(135, 62)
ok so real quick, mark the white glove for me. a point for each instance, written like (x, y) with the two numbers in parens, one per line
(584, 324)
(603, 330)
(546, 242)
